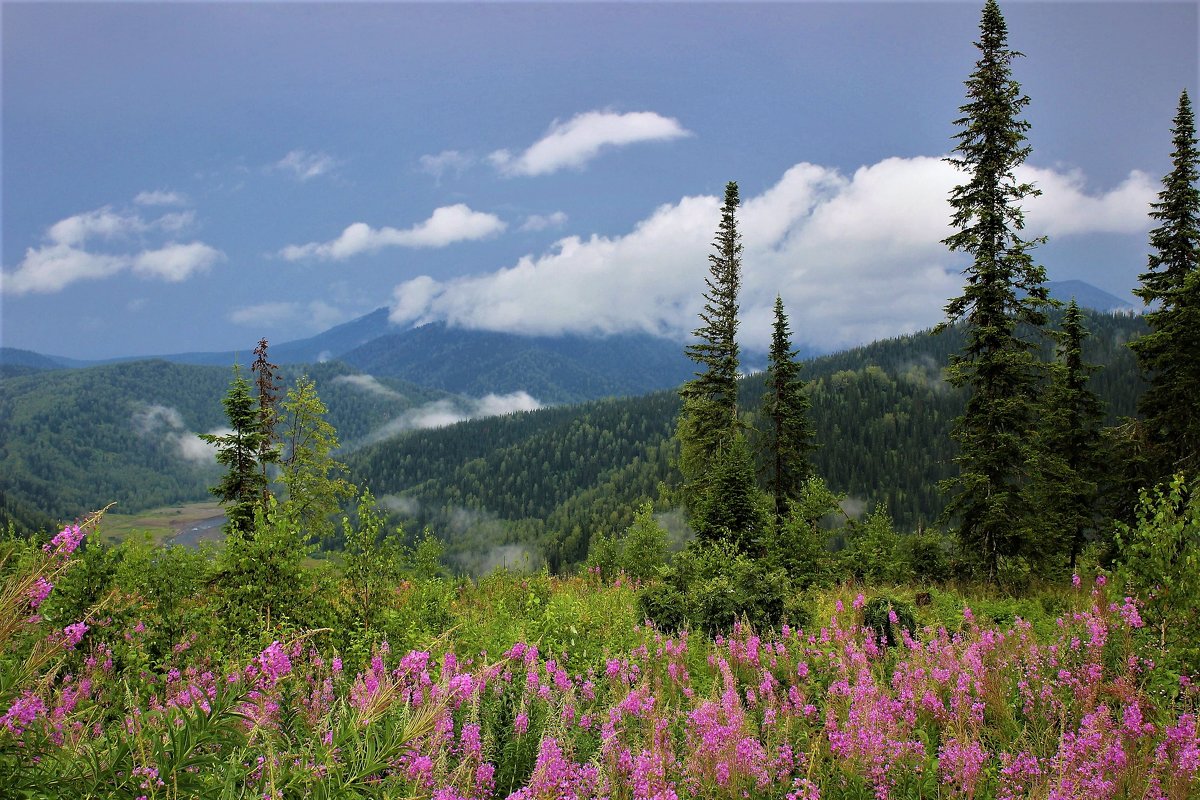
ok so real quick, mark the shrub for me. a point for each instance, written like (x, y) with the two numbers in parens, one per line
(710, 586)
(887, 616)
(1160, 563)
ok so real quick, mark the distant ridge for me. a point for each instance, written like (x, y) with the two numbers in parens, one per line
(559, 369)
(554, 369)
(1088, 296)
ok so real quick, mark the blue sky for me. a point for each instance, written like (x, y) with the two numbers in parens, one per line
(195, 176)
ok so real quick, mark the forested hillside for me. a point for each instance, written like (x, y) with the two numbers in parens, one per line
(546, 480)
(550, 479)
(73, 439)
(562, 369)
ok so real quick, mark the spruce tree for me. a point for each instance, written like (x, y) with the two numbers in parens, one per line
(734, 509)
(243, 486)
(709, 420)
(789, 434)
(1004, 289)
(268, 414)
(1068, 462)
(1170, 352)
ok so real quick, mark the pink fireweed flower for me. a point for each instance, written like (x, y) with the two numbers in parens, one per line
(64, 542)
(960, 764)
(21, 714)
(39, 591)
(274, 663)
(1075, 581)
(73, 634)
(1129, 612)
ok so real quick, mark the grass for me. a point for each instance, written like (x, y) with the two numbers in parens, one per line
(161, 523)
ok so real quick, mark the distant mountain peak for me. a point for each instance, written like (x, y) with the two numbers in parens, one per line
(1088, 296)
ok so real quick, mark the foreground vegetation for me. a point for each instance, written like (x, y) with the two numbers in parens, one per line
(541, 687)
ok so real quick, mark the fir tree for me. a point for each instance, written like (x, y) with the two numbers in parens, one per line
(708, 420)
(243, 486)
(268, 413)
(1170, 353)
(1004, 289)
(734, 509)
(1068, 461)
(789, 434)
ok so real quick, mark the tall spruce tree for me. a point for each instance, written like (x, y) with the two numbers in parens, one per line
(1004, 289)
(1170, 352)
(268, 414)
(242, 488)
(708, 421)
(788, 439)
(1065, 490)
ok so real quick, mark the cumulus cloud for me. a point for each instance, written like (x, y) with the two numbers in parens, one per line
(541, 222)
(175, 262)
(447, 225)
(447, 161)
(856, 257)
(440, 413)
(304, 166)
(105, 242)
(1064, 207)
(314, 315)
(582, 138)
(160, 197)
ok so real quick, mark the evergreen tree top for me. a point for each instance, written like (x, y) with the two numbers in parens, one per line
(1176, 242)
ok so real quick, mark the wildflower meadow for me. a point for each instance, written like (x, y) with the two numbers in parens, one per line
(584, 705)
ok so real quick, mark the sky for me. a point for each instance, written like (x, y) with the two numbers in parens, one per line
(194, 176)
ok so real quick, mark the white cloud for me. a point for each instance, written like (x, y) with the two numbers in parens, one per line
(54, 267)
(580, 139)
(368, 383)
(446, 161)
(304, 166)
(191, 447)
(447, 225)
(104, 242)
(855, 258)
(166, 424)
(103, 223)
(1065, 207)
(160, 197)
(541, 222)
(314, 315)
(440, 413)
(176, 262)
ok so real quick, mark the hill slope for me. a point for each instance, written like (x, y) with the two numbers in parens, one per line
(73, 440)
(549, 479)
(560, 369)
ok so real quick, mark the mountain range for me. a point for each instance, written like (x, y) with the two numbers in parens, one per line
(510, 473)
(561, 369)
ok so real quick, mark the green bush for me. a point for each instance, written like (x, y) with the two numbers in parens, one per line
(1159, 562)
(710, 586)
(887, 616)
